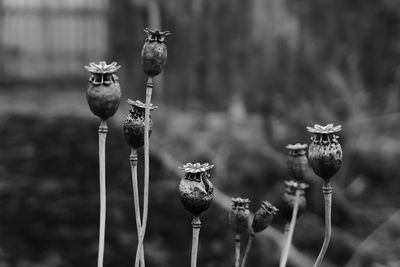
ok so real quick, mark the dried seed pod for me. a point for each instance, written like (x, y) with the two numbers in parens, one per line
(325, 153)
(104, 93)
(288, 199)
(239, 215)
(195, 189)
(297, 161)
(263, 217)
(154, 52)
(134, 124)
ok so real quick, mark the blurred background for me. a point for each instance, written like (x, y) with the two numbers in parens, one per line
(243, 79)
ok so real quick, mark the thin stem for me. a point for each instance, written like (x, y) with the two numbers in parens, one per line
(133, 158)
(327, 190)
(285, 235)
(196, 224)
(289, 238)
(103, 129)
(237, 250)
(248, 247)
(149, 89)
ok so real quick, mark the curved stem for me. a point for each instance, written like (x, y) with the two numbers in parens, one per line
(103, 129)
(248, 247)
(196, 224)
(237, 250)
(133, 158)
(149, 89)
(289, 238)
(285, 235)
(327, 190)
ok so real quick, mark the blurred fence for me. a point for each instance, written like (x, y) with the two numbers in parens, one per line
(43, 40)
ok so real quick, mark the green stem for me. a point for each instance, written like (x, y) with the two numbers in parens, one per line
(149, 89)
(237, 250)
(327, 190)
(103, 129)
(289, 238)
(196, 224)
(248, 247)
(133, 158)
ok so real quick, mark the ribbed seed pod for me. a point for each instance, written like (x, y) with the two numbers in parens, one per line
(263, 216)
(195, 189)
(134, 124)
(239, 215)
(288, 199)
(325, 153)
(154, 52)
(104, 93)
(297, 161)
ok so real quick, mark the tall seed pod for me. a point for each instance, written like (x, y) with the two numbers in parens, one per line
(297, 161)
(154, 52)
(262, 219)
(325, 156)
(134, 124)
(325, 153)
(239, 222)
(196, 192)
(294, 200)
(289, 198)
(104, 93)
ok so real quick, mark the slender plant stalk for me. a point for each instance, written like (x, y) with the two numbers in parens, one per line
(248, 247)
(103, 129)
(237, 250)
(289, 238)
(133, 158)
(196, 225)
(285, 235)
(327, 190)
(149, 90)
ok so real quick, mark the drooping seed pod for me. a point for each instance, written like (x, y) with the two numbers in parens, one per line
(289, 197)
(297, 161)
(104, 93)
(134, 124)
(325, 153)
(195, 189)
(239, 215)
(263, 217)
(154, 52)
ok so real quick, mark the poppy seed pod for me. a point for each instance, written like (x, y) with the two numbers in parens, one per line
(195, 189)
(239, 215)
(134, 124)
(289, 197)
(297, 161)
(104, 93)
(154, 52)
(263, 217)
(325, 152)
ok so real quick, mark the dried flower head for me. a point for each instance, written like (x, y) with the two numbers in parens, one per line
(325, 153)
(134, 124)
(297, 161)
(239, 215)
(154, 52)
(195, 189)
(289, 197)
(104, 93)
(263, 216)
